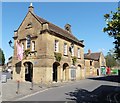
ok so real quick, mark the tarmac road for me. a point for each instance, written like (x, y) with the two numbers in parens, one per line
(93, 90)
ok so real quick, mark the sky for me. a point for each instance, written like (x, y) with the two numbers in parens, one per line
(86, 20)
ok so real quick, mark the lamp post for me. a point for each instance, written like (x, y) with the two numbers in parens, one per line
(10, 43)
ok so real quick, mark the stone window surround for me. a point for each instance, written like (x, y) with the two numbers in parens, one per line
(65, 49)
(28, 41)
(56, 45)
(78, 53)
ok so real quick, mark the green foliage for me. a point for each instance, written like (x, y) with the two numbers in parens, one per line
(110, 60)
(113, 29)
(2, 57)
(26, 52)
(74, 59)
(58, 56)
(106, 16)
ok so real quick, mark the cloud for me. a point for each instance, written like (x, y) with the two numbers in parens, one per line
(101, 49)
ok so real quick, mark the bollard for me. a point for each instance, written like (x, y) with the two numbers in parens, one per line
(18, 86)
(31, 88)
(41, 84)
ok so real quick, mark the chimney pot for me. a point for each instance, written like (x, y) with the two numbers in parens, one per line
(68, 27)
(89, 51)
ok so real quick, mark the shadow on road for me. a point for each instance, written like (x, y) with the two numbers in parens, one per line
(102, 94)
(113, 78)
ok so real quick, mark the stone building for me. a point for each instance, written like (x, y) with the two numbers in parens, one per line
(9, 64)
(50, 52)
(93, 63)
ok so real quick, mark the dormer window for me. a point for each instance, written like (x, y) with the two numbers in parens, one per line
(28, 41)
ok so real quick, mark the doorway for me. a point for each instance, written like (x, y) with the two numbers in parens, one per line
(28, 71)
(55, 70)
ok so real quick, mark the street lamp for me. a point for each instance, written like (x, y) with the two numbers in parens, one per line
(10, 43)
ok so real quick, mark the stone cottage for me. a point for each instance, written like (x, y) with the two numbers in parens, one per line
(93, 63)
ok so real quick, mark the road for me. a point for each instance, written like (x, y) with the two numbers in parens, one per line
(100, 90)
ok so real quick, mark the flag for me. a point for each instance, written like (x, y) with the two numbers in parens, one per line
(19, 51)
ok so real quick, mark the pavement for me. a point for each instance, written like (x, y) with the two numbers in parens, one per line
(11, 92)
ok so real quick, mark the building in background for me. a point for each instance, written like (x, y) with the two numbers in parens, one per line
(9, 64)
(94, 63)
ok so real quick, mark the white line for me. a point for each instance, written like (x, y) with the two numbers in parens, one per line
(108, 97)
(31, 95)
(71, 83)
(115, 97)
(37, 93)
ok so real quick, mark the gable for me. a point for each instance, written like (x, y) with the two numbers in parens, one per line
(29, 26)
(36, 29)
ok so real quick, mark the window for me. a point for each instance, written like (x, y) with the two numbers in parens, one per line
(23, 46)
(90, 63)
(33, 45)
(78, 53)
(72, 51)
(56, 45)
(28, 41)
(65, 48)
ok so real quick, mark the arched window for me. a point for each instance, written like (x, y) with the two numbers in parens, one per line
(28, 41)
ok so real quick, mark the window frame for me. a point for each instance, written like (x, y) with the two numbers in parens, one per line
(33, 46)
(65, 50)
(28, 42)
(72, 51)
(78, 53)
(23, 46)
(56, 46)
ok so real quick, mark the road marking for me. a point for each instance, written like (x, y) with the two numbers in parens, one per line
(37, 93)
(115, 97)
(108, 97)
(31, 94)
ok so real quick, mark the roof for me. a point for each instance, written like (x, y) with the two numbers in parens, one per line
(59, 30)
(92, 56)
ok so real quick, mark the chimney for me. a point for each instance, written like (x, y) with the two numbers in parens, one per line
(31, 8)
(89, 51)
(68, 28)
(45, 26)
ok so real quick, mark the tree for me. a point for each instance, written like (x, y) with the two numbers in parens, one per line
(113, 29)
(2, 57)
(110, 59)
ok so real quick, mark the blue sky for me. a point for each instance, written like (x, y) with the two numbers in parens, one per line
(86, 19)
